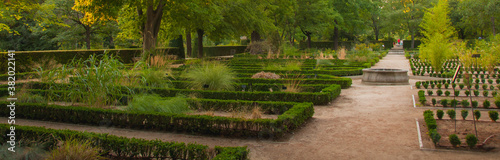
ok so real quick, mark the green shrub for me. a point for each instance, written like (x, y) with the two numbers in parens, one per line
(471, 140)
(457, 93)
(155, 103)
(497, 103)
(476, 93)
(426, 85)
(485, 86)
(454, 140)
(451, 113)
(477, 114)
(465, 103)
(465, 113)
(486, 104)
(494, 93)
(490, 81)
(474, 104)
(421, 97)
(485, 93)
(493, 115)
(31, 98)
(447, 93)
(461, 86)
(438, 86)
(446, 85)
(439, 92)
(75, 149)
(453, 102)
(212, 76)
(434, 102)
(444, 102)
(154, 78)
(432, 85)
(453, 85)
(439, 114)
(492, 87)
(434, 136)
(429, 120)
(467, 93)
(429, 92)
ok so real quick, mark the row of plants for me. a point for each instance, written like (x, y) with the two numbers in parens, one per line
(431, 124)
(456, 93)
(112, 146)
(464, 113)
(196, 124)
(461, 86)
(455, 103)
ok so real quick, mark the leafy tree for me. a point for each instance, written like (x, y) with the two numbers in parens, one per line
(313, 16)
(438, 34)
(409, 14)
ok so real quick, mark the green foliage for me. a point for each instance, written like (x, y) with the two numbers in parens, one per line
(439, 114)
(438, 33)
(493, 115)
(288, 66)
(477, 114)
(474, 104)
(454, 140)
(75, 149)
(465, 103)
(429, 120)
(421, 97)
(155, 103)
(434, 102)
(31, 98)
(439, 92)
(434, 136)
(465, 113)
(451, 113)
(497, 103)
(24, 151)
(154, 78)
(444, 102)
(429, 92)
(216, 76)
(447, 93)
(471, 140)
(486, 104)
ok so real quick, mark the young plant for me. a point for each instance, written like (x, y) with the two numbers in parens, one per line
(454, 140)
(486, 104)
(429, 92)
(485, 93)
(461, 86)
(465, 113)
(465, 103)
(446, 85)
(444, 102)
(418, 84)
(74, 149)
(453, 103)
(477, 114)
(456, 93)
(426, 85)
(439, 114)
(453, 85)
(434, 136)
(471, 140)
(155, 103)
(447, 93)
(494, 93)
(493, 115)
(438, 86)
(492, 87)
(474, 104)
(490, 81)
(467, 93)
(476, 86)
(432, 85)
(451, 113)
(476, 93)
(439, 92)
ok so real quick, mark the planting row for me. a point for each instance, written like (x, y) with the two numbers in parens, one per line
(116, 147)
(455, 103)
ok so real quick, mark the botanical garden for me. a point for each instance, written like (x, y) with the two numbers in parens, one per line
(245, 79)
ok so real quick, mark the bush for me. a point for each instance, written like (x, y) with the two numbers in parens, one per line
(212, 76)
(476, 93)
(486, 104)
(451, 113)
(461, 86)
(75, 149)
(453, 85)
(434, 136)
(477, 114)
(31, 98)
(444, 102)
(429, 120)
(447, 93)
(465, 113)
(429, 92)
(497, 103)
(493, 115)
(434, 102)
(454, 140)
(439, 114)
(465, 103)
(453, 103)
(474, 104)
(417, 84)
(485, 86)
(258, 47)
(426, 85)
(485, 93)
(457, 93)
(471, 140)
(438, 86)
(421, 97)
(490, 81)
(446, 85)
(439, 92)
(494, 93)
(467, 93)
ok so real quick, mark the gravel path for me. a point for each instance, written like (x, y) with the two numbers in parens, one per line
(364, 122)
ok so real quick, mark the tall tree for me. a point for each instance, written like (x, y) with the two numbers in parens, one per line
(313, 16)
(480, 15)
(438, 35)
(410, 14)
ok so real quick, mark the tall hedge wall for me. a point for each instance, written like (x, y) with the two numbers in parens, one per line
(125, 148)
(222, 50)
(407, 44)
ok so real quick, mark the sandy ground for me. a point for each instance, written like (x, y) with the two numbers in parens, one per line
(364, 122)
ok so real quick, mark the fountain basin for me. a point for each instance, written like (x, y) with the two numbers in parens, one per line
(385, 76)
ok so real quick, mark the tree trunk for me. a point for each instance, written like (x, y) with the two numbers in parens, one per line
(493, 25)
(152, 26)
(308, 39)
(412, 40)
(87, 36)
(336, 38)
(189, 48)
(375, 28)
(200, 42)
(255, 36)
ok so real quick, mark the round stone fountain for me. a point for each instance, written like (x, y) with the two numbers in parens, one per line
(384, 76)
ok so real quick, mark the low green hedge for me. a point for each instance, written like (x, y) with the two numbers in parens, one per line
(127, 148)
(195, 124)
(429, 120)
(343, 82)
(262, 86)
(223, 50)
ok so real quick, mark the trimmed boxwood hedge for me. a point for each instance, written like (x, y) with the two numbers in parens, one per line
(122, 147)
(195, 124)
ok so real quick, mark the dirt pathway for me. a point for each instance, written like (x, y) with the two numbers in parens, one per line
(365, 122)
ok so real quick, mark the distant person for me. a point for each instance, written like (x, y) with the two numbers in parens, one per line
(399, 40)
(480, 38)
